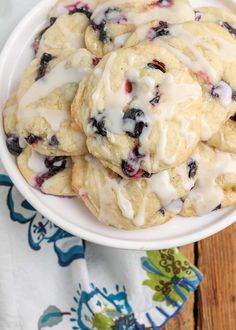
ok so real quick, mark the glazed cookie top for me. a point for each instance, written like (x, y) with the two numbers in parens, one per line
(65, 32)
(140, 111)
(222, 17)
(216, 174)
(45, 95)
(71, 7)
(51, 175)
(15, 143)
(112, 21)
(210, 52)
(65, 28)
(131, 204)
(225, 138)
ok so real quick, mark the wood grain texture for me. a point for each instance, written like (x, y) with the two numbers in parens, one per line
(185, 319)
(217, 293)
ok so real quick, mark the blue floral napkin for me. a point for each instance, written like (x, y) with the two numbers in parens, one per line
(51, 279)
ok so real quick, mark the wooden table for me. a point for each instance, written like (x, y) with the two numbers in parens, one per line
(213, 306)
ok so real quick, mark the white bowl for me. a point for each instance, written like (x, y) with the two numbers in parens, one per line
(71, 214)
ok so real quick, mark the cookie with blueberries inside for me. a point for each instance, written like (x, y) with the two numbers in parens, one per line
(131, 204)
(140, 110)
(45, 94)
(112, 22)
(51, 175)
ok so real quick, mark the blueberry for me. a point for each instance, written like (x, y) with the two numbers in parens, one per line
(198, 15)
(45, 59)
(99, 124)
(136, 118)
(234, 96)
(157, 65)
(13, 144)
(32, 139)
(217, 208)
(192, 165)
(233, 118)
(83, 10)
(160, 30)
(96, 60)
(42, 178)
(156, 98)
(228, 27)
(131, 166)
(163, 3)
(53, 141)
(162, 211)
(101, 28)
(55, 164)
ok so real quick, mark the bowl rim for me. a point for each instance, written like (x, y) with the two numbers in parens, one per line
(25, 189)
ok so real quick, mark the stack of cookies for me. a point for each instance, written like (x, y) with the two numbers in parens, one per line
(130, 105)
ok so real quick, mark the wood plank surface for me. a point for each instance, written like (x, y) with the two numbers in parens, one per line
(213, 307)
(217, 293)
(185, 319)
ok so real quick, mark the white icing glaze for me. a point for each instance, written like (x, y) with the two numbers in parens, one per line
(225, 93)
(114, 101)
(120, 40)
(172, 94)
(175, 206)
(67, 71)
(207, 195)
(54, 117)
(161, 185)
(124, 204)
(200, 64)
(139, 219)
(183, 171)
(178, 12)
(36, 162)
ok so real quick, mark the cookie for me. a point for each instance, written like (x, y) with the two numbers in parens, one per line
(71, 7)
(130, 204)
(113, 21)
(140, 110)
(225, 138)
(215, 185)
(209, 51)
(15, 143)
(45, 95)
(65, 32)
(51, 175)
(222, 17)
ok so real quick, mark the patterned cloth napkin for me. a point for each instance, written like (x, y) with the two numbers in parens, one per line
(50, 278)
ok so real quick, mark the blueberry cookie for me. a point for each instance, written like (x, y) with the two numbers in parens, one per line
(140, 111)
(209, 51)
(215, 185)
(45, 95)
(15, 143)
(71, 7)
(222, 17)
(51, 175)
(225, 138)
(113, 21)
(131, 204)
(67, 31)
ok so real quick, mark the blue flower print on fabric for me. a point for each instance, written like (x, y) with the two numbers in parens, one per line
(67, 247)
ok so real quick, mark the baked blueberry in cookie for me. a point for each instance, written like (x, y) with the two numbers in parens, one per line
(83, 10)
(13, 144)
(134, 122)
(158, 31)
(98, 124)
(157, 65)
(45, 59)
(162, 3)
(36, 42)
(192, 165)
(33, 139)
